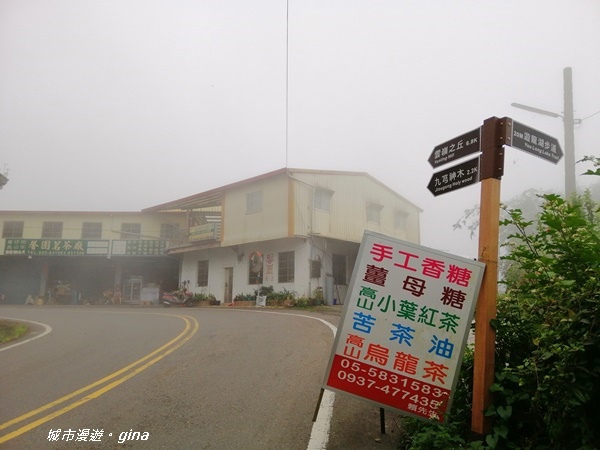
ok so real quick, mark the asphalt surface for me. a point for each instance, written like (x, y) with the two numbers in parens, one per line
(241, 380)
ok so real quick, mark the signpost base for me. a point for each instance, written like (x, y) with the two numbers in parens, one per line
(318, 405)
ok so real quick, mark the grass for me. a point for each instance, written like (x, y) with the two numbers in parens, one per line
(11, 330)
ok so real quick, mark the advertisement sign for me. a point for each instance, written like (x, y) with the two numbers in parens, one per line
(269, 273)
(55, 247)
(404, 327)
(138, 247)
(203, 232)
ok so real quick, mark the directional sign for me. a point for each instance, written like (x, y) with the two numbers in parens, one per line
(456, 148)
(535, 142)
(455, 177)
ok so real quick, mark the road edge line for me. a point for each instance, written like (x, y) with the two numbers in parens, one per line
(48, 329)
(319, 436)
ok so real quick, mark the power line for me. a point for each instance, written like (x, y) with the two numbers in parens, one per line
(287, 78)
(581, 120)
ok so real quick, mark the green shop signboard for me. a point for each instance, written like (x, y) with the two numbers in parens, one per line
(138, 247)
(56, 247)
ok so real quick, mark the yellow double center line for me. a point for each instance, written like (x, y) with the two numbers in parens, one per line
(120, 376)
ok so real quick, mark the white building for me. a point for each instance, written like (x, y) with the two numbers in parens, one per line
(292, 229)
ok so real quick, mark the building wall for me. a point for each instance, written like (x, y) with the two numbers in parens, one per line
(222, 258)
(240, 226)
(289, 221)
(347, 218)
(305, 251)
(73, 223)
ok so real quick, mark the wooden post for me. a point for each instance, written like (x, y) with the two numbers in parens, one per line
(490, 173)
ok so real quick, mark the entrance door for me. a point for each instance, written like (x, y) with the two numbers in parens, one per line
(228, 296)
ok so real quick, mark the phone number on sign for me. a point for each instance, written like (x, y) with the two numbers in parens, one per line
(388, 388)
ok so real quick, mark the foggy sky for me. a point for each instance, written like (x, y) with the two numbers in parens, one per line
(120, 105)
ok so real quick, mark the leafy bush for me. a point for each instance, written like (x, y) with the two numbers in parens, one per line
(245, 297)
(274, 298)
(547, 380)
(264, 291)
(549, 374)
(455, 431)
(203, 297)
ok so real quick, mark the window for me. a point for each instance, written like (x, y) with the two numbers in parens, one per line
(339, 269)
(12, 229)
(202, 279)
(400, 220)
(131, 230)
(52, 230)
(374, 213)
(91, 230)
(286, 267)
(254, 202)
(322, 199)
(315, 268)
(169, 230)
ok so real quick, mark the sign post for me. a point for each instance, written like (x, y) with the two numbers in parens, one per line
(460, 175)
(456, 177)
(495, 133)
(456, 148)
(535, 142)
(492, 169)
(381, 351)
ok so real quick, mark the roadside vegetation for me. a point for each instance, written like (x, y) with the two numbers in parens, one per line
(547, 380)
(10, 330)
(284, 297)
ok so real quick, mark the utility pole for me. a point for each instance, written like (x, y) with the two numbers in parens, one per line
(569, 129)
(569, 124)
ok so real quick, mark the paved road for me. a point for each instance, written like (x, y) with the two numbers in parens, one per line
(197, 378)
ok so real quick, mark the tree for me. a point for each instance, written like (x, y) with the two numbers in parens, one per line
(528, 203)
(3, 178)
(548, 339)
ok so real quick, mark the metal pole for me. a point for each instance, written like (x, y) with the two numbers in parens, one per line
(569, 124)
(318, 405)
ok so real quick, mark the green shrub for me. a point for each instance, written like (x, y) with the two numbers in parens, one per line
(549, 342)
(547, 379)
(203, 297)
(245, 297)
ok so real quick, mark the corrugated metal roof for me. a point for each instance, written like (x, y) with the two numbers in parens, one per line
(214, 197)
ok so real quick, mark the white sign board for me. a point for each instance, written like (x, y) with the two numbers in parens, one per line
(149, 294)
(261, 300)
(404, 327)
